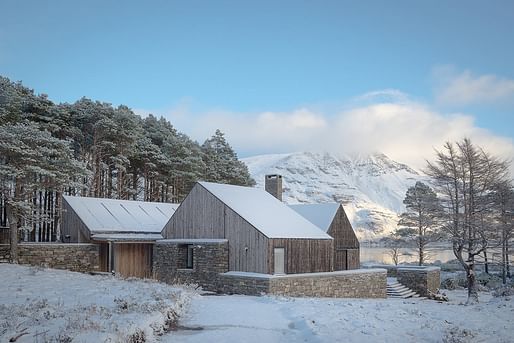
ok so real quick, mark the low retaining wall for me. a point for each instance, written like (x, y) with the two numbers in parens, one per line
(420, 279)
(359, 283)
(75, 257)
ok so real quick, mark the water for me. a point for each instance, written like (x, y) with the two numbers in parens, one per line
(408, 255)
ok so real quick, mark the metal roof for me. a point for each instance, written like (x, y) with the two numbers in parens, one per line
(121, 216)
(320, 215)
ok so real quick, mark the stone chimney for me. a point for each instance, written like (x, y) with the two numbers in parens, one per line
(273, 185)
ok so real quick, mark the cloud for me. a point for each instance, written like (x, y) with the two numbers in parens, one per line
(405, 130)
(465, 88)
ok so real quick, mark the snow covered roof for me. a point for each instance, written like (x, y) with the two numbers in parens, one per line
(129, 237)
(266, 213)
(320, 215)
(121, 216)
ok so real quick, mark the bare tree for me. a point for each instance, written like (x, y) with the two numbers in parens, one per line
(420, 222)
(465, 176)
(394, 245)
(505, 200)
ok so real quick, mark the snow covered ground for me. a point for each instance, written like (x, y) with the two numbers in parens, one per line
(277, 319)
(47, 305)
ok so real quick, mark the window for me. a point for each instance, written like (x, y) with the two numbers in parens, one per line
(189, 260)
(185, 256)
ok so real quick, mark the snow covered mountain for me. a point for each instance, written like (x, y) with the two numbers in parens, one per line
(371, 187)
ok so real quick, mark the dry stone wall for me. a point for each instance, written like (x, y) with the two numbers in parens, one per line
(210, 258)
(420, 279)
(74, 257)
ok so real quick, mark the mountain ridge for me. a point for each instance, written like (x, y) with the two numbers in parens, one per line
(371, 187)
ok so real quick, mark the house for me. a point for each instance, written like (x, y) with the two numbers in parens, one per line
(125, 230)
(332, 218)
(329, 217)
(263, 234)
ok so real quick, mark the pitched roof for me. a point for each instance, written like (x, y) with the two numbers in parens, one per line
(320, 215)
(123, 216)
(266, 213)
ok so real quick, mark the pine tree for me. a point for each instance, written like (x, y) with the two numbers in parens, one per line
(30, 160)
(420, 222)
(222, 164)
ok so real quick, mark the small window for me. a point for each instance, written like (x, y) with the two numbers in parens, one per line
(185, 256)
(189, 261)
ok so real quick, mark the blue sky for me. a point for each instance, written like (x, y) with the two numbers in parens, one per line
(190, 60)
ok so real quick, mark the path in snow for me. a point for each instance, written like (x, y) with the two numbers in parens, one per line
(277, 319)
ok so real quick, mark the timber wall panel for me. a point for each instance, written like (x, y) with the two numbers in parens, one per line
(199, 216)
(73, 226)
(133, 259)
(241, 235)
(303, 255)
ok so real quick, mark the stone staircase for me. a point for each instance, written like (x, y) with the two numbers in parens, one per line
(399, 291)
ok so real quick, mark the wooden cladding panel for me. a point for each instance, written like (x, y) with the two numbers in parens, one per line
(248, 247)
(73, 226)
(303, 255)
(133, 259)
(354, 259)
(342, 232)
(199, 216)
(340, 259)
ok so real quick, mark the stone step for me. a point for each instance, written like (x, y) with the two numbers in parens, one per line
(398, 291)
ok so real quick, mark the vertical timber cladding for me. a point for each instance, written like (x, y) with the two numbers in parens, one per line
(133, 259)
(73, 228)
(303, 255)
(201, 215)
(247, 246)
(346, 244)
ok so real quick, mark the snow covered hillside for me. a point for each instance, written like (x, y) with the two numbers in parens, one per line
(48, 305)
(371, 187)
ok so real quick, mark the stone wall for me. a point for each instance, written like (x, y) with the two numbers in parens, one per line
(359, 283)
(420, 279)
(210, 258)
(210, 271)
(74, 257)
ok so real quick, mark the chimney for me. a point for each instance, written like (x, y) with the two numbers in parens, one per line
(273, 185)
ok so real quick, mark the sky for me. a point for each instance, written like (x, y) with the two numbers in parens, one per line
(399, 77)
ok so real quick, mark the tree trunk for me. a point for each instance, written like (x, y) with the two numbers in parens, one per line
(13, 233)
(486, 262)
(504, 260)
(472, 284)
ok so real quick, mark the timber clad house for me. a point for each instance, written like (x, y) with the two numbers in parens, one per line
(264, 235)
(332, 218)
(124, 230)
(228, 239)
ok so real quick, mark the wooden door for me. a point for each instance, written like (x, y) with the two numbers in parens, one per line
(280, 260)
(133, 259)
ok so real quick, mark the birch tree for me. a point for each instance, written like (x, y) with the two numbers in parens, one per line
(465, 176)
